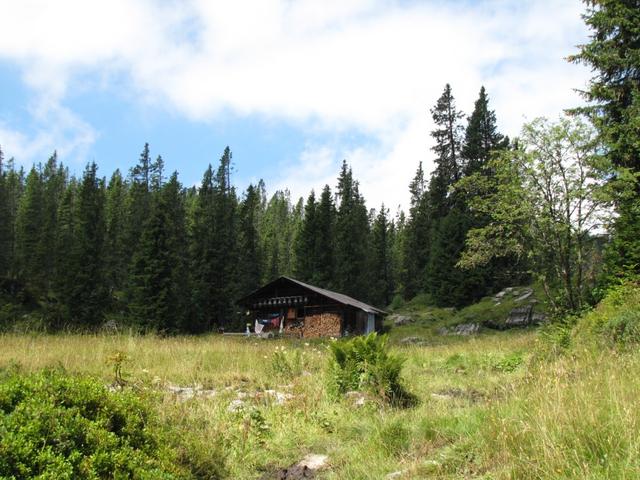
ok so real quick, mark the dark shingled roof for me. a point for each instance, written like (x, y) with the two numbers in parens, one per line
(338, 297)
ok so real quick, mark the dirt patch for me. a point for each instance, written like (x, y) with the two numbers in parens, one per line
(305, 468)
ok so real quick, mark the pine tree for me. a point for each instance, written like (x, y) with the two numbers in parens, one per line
(352, 238)
(13, 188)
(482, 140)
(416, 244)
(446, 243)
(613, 54)
(324, 246)
(5, 223)
(54, 179)
(158, 274)
(87, 298)
(481, 136)
(306, 241)
(250, 261)
(381, 268)
(116, 228)
(214, 253)
(29, 222)
(138, 202)
(202, 245)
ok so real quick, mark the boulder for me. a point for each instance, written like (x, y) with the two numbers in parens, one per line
(526, 294)
(305, 468)
(399, 320)
(412, 341)
(520, 317)
(466, 329)
(461, 329)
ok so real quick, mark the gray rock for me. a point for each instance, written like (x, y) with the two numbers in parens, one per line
(394, 475)
(461, 329)
(236, 406)
(412, 340)
(399, 320)
(520, 317)
(466, 329)
(525, 295)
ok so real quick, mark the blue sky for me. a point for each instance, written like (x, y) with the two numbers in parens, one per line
(293, 87)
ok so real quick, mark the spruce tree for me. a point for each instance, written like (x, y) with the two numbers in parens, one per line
(138, 205)
(352, 238)
(158, 273)
(324, 246)
(613, 54)
(29, 223)
(417, 236)
(54, 180)
(5, 229)
(306, 241)
(214, 254)
(446, 213)
(87, 298)
(381, 265)
(250, 261)
(116, 229)
(481, 136)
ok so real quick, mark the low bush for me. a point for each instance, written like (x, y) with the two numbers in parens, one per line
(615, 322)
(58, 426)
(364, 363)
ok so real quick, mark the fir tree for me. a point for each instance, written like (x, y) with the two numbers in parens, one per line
(381, 268)
(158, 274)
(352, 238)
(613, 54)
(324, 246)
(415, 256)
(29, 222)
(116, 228)
(306, 241)
(250, 262)
(87, 298)
(445, 245)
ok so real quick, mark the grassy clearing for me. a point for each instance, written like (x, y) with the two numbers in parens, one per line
(456, 384)
(493, 406)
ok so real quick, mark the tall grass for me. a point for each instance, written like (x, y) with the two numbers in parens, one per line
(490, 406)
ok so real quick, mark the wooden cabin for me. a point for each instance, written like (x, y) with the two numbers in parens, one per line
(295, 308)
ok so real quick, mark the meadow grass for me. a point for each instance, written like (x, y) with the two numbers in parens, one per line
(488, 407)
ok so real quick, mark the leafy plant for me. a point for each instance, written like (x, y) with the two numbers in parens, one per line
(58, 426)
(364, 363)
(287, 363)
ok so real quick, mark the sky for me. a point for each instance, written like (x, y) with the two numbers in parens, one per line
(293, 87)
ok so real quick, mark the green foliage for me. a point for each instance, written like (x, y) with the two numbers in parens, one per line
(613, 55)
(57, 426)
(364, 364)
(543, 203)
(287, 363)
(615, 322)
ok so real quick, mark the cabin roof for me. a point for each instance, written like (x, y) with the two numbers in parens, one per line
(338, 297)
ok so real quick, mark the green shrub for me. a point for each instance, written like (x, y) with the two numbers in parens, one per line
(615, 321)
(57, 426)
(364, 363)
(286, 363)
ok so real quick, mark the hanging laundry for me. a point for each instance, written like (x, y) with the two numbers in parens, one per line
(258, 327)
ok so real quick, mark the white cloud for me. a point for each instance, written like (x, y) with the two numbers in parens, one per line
(374, 66)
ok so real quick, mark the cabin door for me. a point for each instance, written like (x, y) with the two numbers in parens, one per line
(371, 323)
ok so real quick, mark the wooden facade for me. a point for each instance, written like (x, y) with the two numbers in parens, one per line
(298, 309)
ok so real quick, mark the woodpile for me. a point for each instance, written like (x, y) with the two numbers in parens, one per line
(322, 325)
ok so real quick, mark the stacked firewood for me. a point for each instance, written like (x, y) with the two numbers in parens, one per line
(322, 325)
